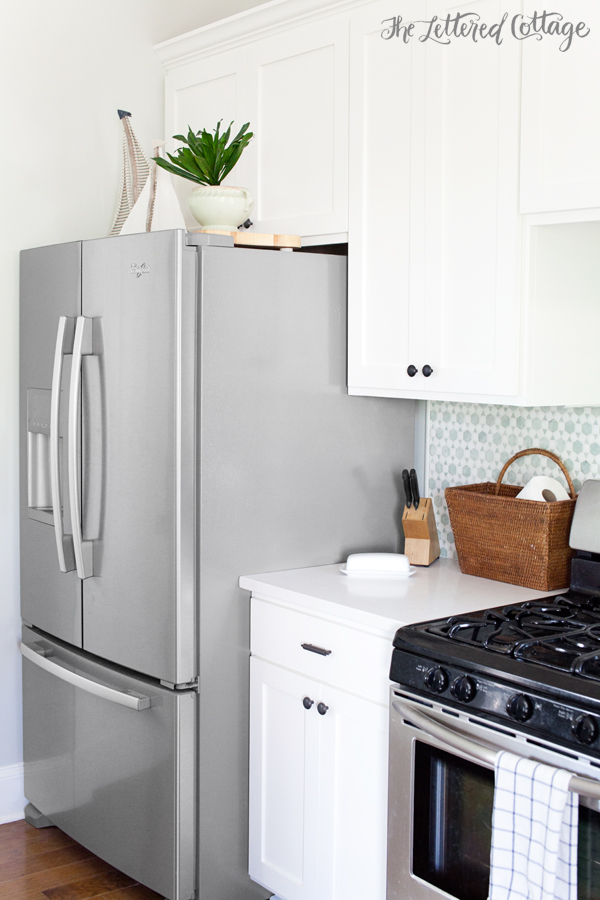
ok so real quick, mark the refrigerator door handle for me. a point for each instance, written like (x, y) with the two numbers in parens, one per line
(124, 698)
(64, 542)
(84, 550)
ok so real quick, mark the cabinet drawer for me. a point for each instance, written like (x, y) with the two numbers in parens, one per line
(358, 662)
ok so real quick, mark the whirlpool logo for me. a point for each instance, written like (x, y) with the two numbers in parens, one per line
(138, 270)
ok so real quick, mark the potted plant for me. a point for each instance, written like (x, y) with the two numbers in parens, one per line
(207, 159)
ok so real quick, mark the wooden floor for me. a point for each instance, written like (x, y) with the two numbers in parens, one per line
(45, 864)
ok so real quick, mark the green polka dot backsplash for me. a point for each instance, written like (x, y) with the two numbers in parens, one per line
(469, 443)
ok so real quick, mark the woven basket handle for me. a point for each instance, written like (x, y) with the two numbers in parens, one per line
(534, 451)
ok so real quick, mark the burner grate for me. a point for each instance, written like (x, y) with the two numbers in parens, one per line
(558, 632)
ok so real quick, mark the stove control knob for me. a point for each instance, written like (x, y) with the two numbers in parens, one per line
(520, 707)
(585, 729)
(437, 680)
(463, 688)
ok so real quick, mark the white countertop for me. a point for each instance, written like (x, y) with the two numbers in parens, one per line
(438, 591)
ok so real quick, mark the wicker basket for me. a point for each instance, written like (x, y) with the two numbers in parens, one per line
(522, 542)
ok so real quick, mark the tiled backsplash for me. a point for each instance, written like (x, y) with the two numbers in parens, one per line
(470, 442)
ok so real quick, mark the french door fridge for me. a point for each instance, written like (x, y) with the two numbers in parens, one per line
(184, 421)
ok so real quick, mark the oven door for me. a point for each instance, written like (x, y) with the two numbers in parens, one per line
(441, 792)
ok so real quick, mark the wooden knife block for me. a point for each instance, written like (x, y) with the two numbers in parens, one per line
(421, 545)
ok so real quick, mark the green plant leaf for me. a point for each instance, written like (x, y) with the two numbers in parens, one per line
(176, 170)
(207, 158)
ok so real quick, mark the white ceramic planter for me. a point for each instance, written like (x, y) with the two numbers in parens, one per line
(217, 206)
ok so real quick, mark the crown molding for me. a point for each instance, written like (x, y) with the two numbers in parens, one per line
(252, 24)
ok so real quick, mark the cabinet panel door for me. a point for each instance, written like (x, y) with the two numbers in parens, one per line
(385, 285)
(471, 212)
(560, 150)
(284, 781)
(353, 798)
(297, 92)
(199, 95)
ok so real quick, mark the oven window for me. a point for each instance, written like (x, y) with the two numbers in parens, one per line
(452, 828)
(588, 854)
(452, 823)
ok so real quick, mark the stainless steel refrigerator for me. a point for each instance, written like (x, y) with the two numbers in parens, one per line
(184, 420)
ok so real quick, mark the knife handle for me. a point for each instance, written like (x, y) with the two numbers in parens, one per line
(414, 484)
(407, 488)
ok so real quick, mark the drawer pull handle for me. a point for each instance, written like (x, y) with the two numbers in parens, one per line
(322, 709)
(307, 702)
(313, 649)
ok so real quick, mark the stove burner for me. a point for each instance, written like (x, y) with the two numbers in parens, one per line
(557, 632)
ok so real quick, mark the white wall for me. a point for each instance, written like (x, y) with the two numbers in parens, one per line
(65, 68)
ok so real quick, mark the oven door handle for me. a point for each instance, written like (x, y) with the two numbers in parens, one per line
(477, 751)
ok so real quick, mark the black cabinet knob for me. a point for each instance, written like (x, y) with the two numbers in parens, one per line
(463, 688)
(307, 703)
(585, 729)
(322, 709)
(427, 370)
(437, 680)
(520, 707)
(412, 371)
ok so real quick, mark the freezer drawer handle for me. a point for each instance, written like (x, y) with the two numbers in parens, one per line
(476, 751)
(84, 550)
(64, 542)
(123, 698)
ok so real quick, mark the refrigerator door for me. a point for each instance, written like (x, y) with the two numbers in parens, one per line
(50, 302)
(109, 759)
(138, 453)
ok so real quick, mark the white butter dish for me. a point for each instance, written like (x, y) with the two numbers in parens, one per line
(377, 565)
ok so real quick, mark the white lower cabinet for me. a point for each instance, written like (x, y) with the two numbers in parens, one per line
(318, 788)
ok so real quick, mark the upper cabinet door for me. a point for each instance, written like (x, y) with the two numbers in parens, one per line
(298, 110)
(472, 227)
(198, 95)
(560, 161)
(386, 268)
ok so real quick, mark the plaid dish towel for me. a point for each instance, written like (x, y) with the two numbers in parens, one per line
(534, 832)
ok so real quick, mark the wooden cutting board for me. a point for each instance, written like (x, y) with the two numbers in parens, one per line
(251, 239)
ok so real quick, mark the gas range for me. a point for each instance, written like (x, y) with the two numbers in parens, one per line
(535, 664)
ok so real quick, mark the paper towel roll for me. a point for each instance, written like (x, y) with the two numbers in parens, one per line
(543, 488)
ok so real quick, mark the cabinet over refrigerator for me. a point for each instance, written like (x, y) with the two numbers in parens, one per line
(184, 418)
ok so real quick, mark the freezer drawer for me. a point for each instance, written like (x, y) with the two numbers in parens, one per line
(109, 759)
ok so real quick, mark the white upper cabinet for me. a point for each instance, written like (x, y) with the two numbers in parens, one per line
(560, 159)
(289, 79)
(198, 95)
(298, 107)
(434, 225)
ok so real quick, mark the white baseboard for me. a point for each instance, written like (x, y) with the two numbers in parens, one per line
(12, 799)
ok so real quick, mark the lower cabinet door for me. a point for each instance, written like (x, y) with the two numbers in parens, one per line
(318, 788)
(109, 759)
(353, 798)
(284, 775)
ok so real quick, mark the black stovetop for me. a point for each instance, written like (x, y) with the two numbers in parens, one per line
(561, 632)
